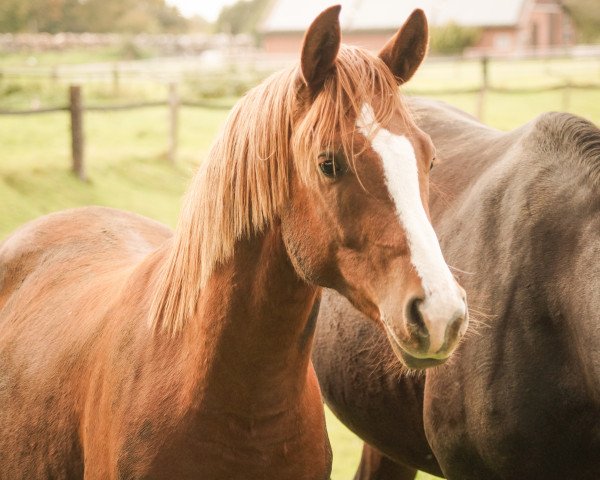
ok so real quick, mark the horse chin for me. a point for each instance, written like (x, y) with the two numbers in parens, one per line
(415, 363)
(412, 362)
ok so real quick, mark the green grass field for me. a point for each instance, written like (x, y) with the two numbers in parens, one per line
(127, 167)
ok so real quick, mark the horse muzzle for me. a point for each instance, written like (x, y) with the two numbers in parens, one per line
(430, 329)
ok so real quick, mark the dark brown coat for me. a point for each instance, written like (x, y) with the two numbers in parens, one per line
(518, 216)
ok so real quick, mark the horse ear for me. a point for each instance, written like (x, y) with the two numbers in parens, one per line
(320, 47)
(405, 51)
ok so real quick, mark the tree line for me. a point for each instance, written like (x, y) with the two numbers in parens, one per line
(122, 16)
(97, 16)
(154, 16)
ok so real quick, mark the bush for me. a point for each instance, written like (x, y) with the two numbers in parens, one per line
(586, 16)
(452, 39)
(129, 50)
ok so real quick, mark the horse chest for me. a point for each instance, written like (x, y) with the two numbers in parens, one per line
(208, 440)
(217, 449)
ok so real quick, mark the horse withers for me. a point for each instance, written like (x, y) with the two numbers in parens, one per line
(128, 351)
(518, 217)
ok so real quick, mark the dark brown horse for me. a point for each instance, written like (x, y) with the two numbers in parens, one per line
(518, 216)
(130, 352)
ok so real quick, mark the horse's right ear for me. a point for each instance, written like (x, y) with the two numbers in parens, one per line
(406, 50)
(320, 48)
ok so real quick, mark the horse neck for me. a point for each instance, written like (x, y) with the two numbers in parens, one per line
(255, 325)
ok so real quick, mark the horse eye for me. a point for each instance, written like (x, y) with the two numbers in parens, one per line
(329, 165)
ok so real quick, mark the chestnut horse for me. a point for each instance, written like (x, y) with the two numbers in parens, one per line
(518, 215)
(130, 352)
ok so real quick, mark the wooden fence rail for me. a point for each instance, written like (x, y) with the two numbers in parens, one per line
(34, 111)
(77, 109)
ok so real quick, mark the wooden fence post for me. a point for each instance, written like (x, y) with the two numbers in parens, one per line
(116, 79)
(566, 96)
(54, 75)
(77, 135)
(173, 122)
(484, 87)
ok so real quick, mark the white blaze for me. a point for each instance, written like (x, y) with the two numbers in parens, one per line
(442, 296)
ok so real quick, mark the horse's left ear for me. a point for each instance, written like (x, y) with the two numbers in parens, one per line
(405, 51)
(320, 47)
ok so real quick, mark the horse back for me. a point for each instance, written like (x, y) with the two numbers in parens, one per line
(59, 276)
(92, 237)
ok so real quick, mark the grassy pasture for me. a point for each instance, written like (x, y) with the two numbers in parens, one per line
(127, 166)
(439, 74)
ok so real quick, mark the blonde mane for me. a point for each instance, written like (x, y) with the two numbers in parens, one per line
(242, 185)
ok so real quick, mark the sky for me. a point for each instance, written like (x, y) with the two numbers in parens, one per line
(208, 9)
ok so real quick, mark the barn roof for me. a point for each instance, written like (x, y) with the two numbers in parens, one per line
(361, 15)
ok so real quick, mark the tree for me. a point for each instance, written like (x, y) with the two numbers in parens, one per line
(14, 15)
(452, 39)
(586, 15)
(243, 16)
(90, 16)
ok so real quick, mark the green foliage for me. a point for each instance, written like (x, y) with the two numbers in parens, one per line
(586, 15)
(14, 15)
(244, 16)
(129, 50)
(135, 16)
(452, 39)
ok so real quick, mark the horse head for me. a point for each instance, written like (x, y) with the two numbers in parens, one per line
(357, 217)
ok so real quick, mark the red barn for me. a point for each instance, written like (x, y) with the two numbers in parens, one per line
(507, 26)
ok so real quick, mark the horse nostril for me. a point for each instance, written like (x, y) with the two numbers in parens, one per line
(453, 328)
(414, 318)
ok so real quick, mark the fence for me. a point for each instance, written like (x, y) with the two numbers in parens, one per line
(165, 73)
(485, 86)
(249, 67)
(77, 108)
(239, 66)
